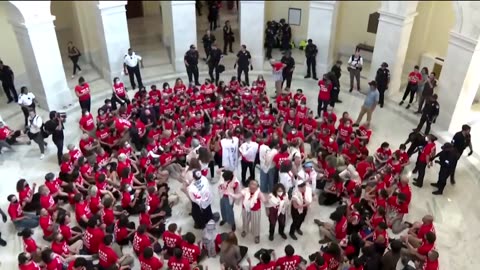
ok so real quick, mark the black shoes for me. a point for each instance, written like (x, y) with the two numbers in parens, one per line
(270, 237)
(401, 103)
(222, 222)
(3, 242)
(408, 107)
(292, 235)
(452, 181)
(417, 184)
(299, 232)
(438, 192)
(315, 78)
(306, 77)
(351, 89)
(434, 185)
(284, 236)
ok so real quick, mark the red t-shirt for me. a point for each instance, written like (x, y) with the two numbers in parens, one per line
(140, 242)
(30, 245)
(83, 89)
(428, 150)
(430, 265)
(47, 202)
(324, 91)
(288, 262)
(4, 132)
(87, 122)
(92, 237)
(29, 266)
(190, 252)
(178, 264)
(66, 231)
(331, 261)
(279, 158)
(393, 204)
(61, 248)
(15, 210)
(424, 229)
(425, 248)
(55, 264)
(171, 240)
(119, 89)
(152, 263)
(82, 209)
(107, 256)
(45, 222)
(83, 144)
(268, 266)
(341, 229)
(417, 77)
(120, 233)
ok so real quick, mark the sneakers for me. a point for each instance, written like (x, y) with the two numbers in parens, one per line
(42, 156)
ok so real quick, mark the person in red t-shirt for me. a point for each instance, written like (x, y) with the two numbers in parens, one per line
(425, 159)
(108, 256)
(335, 232)
(318, 264)
(87, 123)
(93, 236)
(267, 262)
(397, 207)
(171, 239)
(420, 253)
(414, 78)
(191, 252)
(82, 90)
(141, 239)
(149, 261)
(324, 94)
(119, 93)
(25, 262)
(289, 261)
(178, 261)
(431, 262)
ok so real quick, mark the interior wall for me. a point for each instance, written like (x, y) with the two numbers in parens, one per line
(430, 31)
(276, 10)
(352, 25)
(64, 26)
(9, 48)
(151, 8)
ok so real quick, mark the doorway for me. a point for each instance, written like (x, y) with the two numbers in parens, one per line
(134, 9)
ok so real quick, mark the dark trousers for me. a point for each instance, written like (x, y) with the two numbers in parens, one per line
(210, 72)
(411, 149)
(192, 73)
(285, 44)
(9, 88)
(85, 104)
(227, 41)
(213, 23)
(201, 216)
(424, 119)
(312, 66)
(247, 165)
(207, 51)
(381, 91)
(273, 218)
(75, 63)
(135, 72)
(322, 106)
(420, 167)
(25, 113)
(454, 168)
(410, 90)
(287, 76)
(269, 51)
(38, 138)
(443, 175)
(334, 98)
(241, 69)
(59, 144)
(297, 219)
(118, 101)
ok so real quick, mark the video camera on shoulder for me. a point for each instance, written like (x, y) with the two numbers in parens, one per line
(62, 116)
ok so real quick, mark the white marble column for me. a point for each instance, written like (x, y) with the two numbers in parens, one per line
(114, 27)
(391, 44)
(252, 26)
(183, 33)
(39, 47)
(459, 82)
(324, 14)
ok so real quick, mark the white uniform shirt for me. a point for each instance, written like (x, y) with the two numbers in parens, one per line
(26, 99)
(355, 62)
(132, 60)
(35, 123)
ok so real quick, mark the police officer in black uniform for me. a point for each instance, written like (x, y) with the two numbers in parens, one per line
(7, 78)
(287, 72)
(461, 140)
(55, 127)
(337, 71)
(383, 79)
(447, 158)
(228, 37)
(417, 141)
(286, 35)
(243, 61)
(213, 61)
(269, 39)
(208, 39)
(311, 55)
(429, 114)
(191, 63)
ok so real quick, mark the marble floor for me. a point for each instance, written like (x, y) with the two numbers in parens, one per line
(455, 212)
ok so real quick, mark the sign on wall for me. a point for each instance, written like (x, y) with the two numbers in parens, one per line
(294, 16)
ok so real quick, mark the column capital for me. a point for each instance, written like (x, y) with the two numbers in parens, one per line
(395, 19)
(463, 41)
(326, 5)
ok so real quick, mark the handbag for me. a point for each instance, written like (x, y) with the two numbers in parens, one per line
(221, 68)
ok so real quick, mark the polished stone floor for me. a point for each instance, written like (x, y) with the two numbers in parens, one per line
(455, 212)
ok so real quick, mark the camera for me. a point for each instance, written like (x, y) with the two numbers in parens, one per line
(62, 116)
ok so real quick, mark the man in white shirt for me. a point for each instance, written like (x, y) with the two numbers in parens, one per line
(26, 100)
(35, 124)
(267, 167)
(131, 66)
(248, 150)
(199, 193)
(355, 64)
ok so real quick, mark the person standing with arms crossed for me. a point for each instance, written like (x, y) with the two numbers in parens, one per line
(228, 37)
(213, 61)
(131, 67)
(82, 90)
(355, 65)
(7, 77)
(243, 61)
(461, 140)
(287, 72)
(369, 105)
(311, 55)
(383, 79)
(191, 64)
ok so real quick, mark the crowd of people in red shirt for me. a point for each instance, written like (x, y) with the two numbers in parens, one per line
(131, 148)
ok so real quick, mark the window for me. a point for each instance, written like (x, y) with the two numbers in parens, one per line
(373, 22)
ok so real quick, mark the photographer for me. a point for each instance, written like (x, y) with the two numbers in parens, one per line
(35, 126)
(55, 127)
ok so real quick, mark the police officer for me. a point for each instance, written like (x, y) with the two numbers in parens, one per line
(337, 71)
(287, 72)
(7, 78)
(208, 39)
(461, 140)
(311, 54)
(269, 39)
(54, 126)
(228, 37)
(417, 141)
(429, 113)
(243, 61)
(447, 158)
(383, 79)
(191, 63)
(213, 61)
(286, 35)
